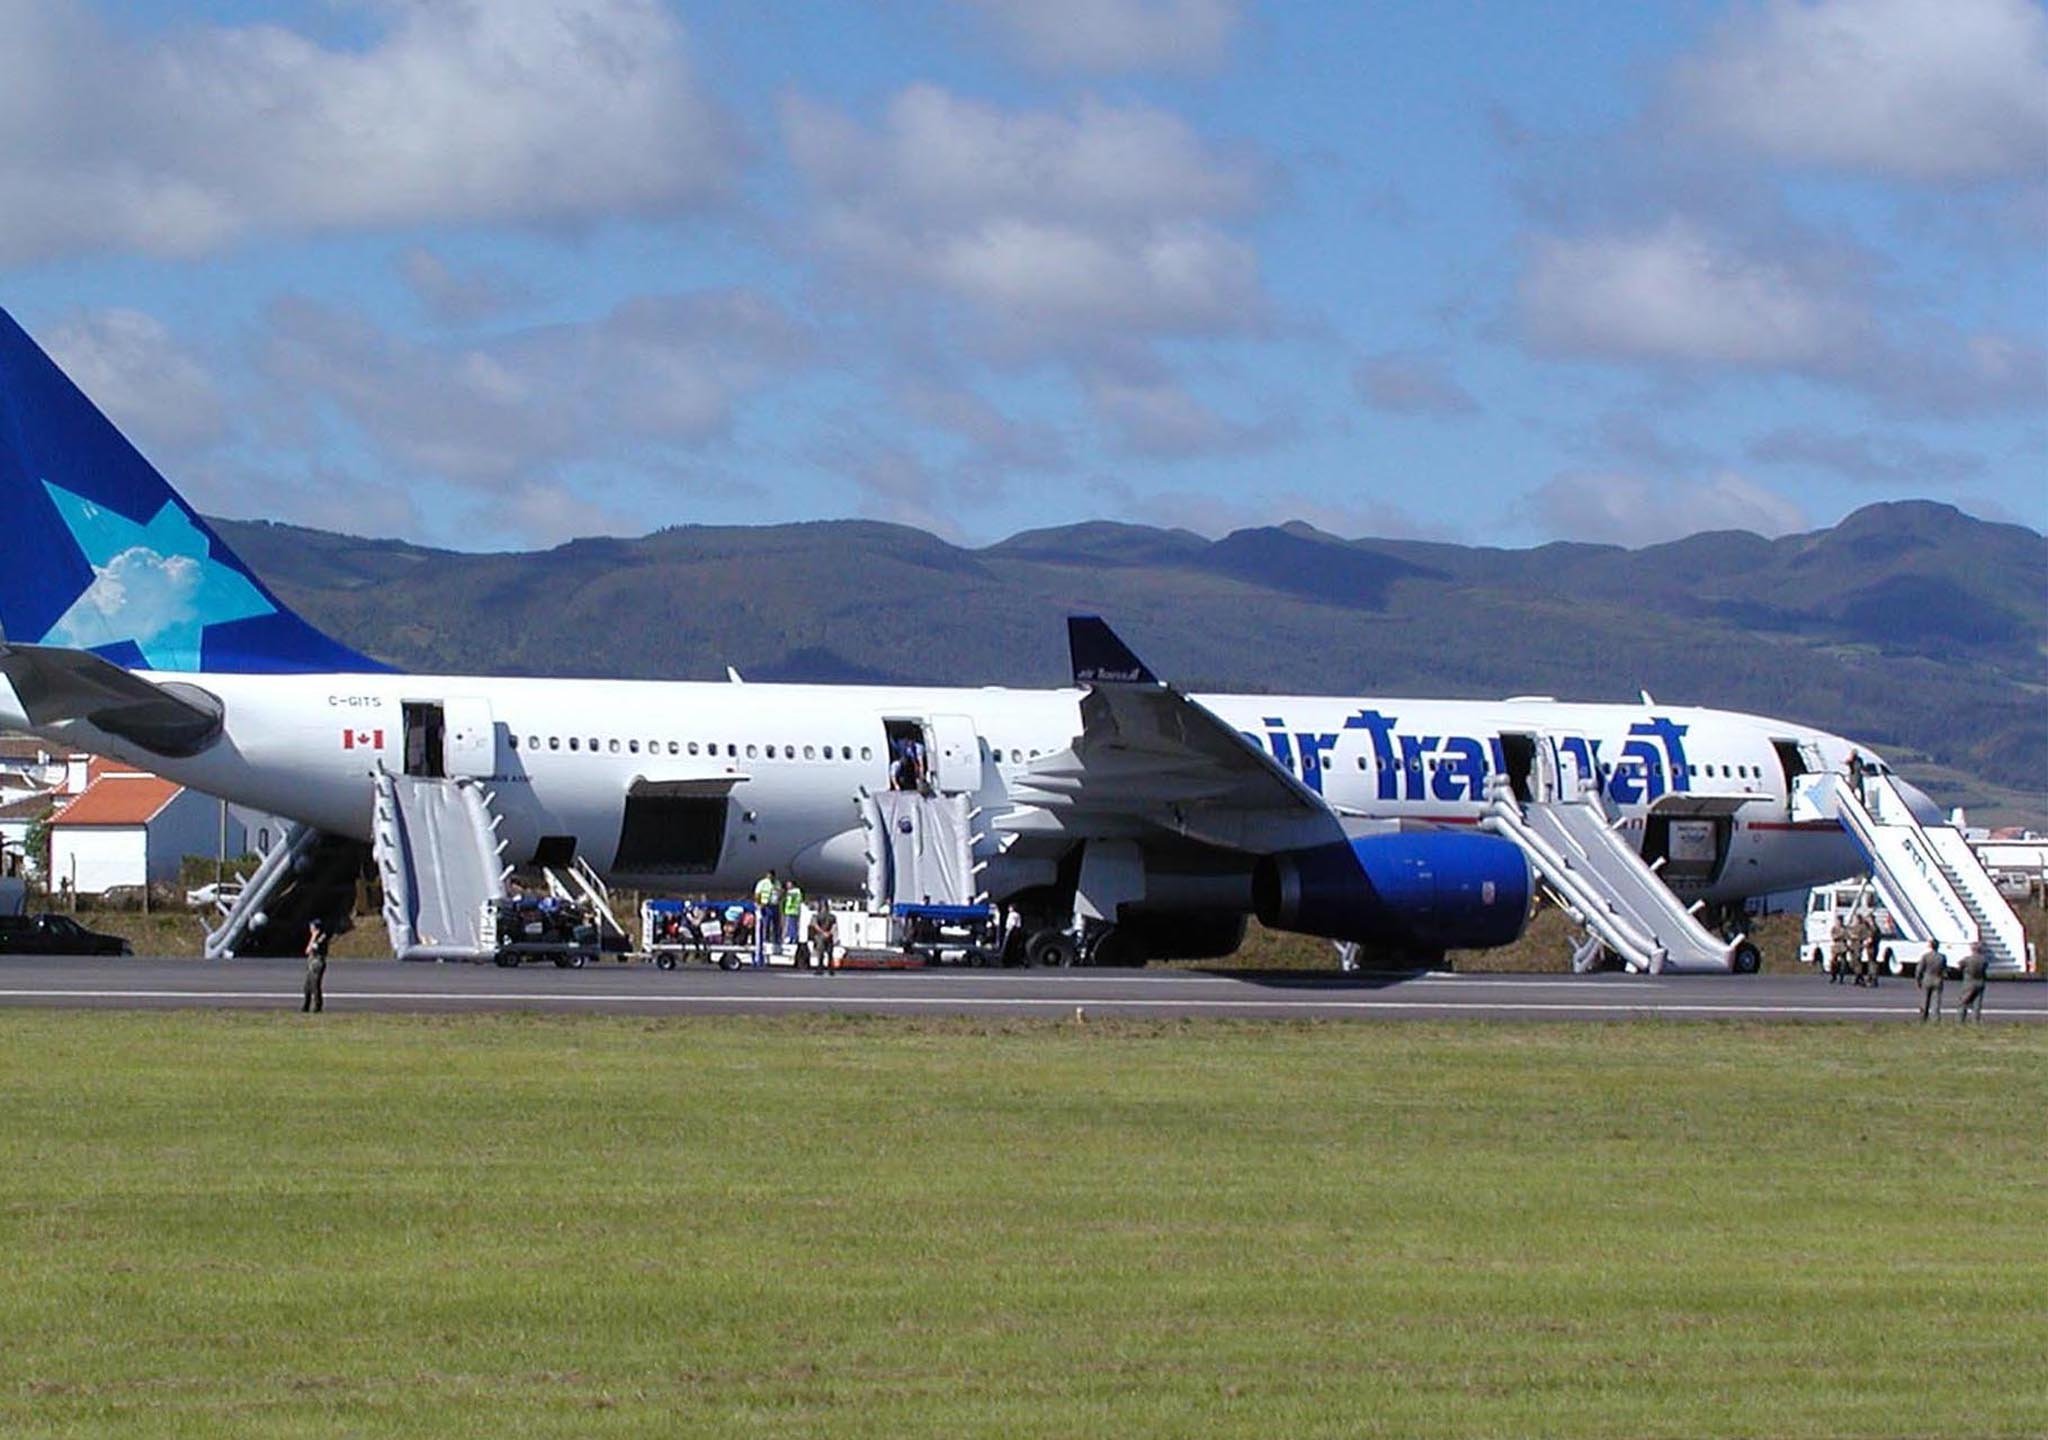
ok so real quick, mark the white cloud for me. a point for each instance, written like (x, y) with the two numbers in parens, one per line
(155, 392)
(1152, 416)
(1676, 293)
(996, 441)
(1047, 229)
(515, 415)
(512, 110)
(1405, 382)
(1116, 35)
(455, 295)
(1873, 459)
(1627, 509)
(1942, 91)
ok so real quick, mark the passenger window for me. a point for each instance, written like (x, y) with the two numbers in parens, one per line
(693, 747)
(810, 752)
(593, 744)
(867, 752)
(613, 747)
(513, 741)
(750, 752)
(533, 742)
(554, 742)
(572, 743)
(633, 747)
(674, 748)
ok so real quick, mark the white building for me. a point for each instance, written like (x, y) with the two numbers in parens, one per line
(128, 828)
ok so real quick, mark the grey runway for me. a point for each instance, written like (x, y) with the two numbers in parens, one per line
(370, 985)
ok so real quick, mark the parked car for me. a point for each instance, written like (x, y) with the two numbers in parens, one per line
(56, 935)
(218, 895)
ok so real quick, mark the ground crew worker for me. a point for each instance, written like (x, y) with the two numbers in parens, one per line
(1870, 939)
(1861, 933)
(824, 939)
(1931, 976)
(767, 894)
(1975, 967)
(1838, 952)
(792, 913)
(316, 970)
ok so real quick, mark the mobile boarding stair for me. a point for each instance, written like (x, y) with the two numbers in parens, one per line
(580, 885)
(1927, 876)
(1601, 880)
(437, 849)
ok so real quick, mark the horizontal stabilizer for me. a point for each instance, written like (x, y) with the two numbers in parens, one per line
(56, 685)
(1100, 658)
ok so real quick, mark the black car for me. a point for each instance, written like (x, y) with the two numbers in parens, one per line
(56, 935)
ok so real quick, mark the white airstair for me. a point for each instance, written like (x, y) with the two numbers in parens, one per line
(1598, 877)
(922, 848)
(1927, 877)
(438, 852)
(579, 884)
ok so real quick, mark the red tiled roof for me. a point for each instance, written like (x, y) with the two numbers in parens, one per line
(119, 800)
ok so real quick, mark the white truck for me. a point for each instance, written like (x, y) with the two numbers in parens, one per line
(1897, 952)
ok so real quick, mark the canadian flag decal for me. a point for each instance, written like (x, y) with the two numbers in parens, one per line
(362, 739)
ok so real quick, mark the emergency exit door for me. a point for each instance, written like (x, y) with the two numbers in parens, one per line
(955, 754)
(471, 747)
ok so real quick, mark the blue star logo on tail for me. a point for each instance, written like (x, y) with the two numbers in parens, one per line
(155, 585)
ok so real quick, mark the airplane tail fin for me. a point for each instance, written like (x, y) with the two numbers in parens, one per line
(99, 553)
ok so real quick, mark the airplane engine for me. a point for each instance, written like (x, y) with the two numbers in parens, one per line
(1426, 890)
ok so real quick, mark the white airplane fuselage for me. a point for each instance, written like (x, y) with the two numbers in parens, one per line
(560, 757)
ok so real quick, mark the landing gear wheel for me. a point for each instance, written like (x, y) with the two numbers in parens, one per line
(1051, 948)
(1747, 959)
(665, 962)
(507, 962)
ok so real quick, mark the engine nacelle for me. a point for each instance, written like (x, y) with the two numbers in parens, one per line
(1428, 890)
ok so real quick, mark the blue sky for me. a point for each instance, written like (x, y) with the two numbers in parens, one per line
(497, 274)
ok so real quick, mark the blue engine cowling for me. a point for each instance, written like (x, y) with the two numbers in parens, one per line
(1429, 890)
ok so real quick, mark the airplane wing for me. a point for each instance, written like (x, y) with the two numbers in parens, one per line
(55, 685)
(1149, 758)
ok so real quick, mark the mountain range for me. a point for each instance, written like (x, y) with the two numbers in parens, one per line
(1909, 625)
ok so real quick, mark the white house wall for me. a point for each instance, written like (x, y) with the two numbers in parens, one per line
(96, 858)
(189, 825)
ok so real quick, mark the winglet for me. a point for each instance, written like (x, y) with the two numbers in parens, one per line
(1102, 659)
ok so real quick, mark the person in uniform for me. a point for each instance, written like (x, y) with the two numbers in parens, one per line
(1838, 952)
(767, 899)
(316, 970)
(1974, 967)
(1931, 975)
(1861, 934)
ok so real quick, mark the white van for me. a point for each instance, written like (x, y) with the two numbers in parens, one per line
(1841, 901)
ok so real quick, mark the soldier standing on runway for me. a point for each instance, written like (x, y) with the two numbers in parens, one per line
(316, 970)
(1931, 975)
(1974, 967)
(1838, 952)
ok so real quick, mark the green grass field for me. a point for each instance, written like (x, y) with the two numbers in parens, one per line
(504, 1226)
